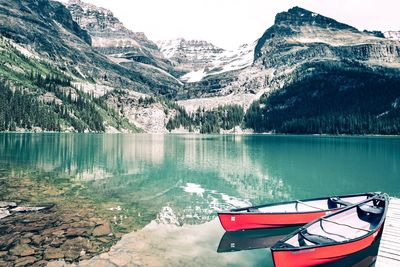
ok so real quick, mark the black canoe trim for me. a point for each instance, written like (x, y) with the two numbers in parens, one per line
(255, 209)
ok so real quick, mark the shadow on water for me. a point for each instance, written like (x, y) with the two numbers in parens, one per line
(252, 239)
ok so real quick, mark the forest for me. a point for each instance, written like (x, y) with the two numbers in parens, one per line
(22, 108)
(331, 101)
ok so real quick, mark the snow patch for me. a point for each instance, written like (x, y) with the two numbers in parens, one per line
(194, 188)
(236, 202)
(194, 76)
(117, 208)
(393, 35)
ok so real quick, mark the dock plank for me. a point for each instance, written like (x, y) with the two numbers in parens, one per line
(389, 248)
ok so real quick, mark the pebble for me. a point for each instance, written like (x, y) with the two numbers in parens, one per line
(25, 261)
(22, 250)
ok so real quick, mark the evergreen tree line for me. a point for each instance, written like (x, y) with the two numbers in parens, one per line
(331, 102)
(18, 109)
(78, 110)
(22, 109)
(207, 121)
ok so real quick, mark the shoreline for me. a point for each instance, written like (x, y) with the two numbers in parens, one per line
(200, 134)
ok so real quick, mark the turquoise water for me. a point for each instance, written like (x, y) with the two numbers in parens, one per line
(182, 180)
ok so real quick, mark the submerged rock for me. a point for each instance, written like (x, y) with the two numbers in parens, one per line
(25, 261)
(22, 250)
(31, 209)
(4, 213)
(26, 209)
(102, 230)
(53, 253)
(4, 204)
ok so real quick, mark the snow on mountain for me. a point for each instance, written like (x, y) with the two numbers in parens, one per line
(200, 58)
(393, 35)
(233, 59)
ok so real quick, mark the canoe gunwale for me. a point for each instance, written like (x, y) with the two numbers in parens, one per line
(239, 211)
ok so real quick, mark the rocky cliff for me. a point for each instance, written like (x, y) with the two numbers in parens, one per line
(110, 37)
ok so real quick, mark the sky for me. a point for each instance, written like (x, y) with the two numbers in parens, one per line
(230, 23)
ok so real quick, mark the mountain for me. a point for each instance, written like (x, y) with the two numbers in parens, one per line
(336, 79)
(49, 62)
(311, 70)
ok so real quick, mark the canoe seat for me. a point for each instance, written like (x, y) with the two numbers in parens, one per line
(316, 239)
(371, 209)
(334, 201)
(370, 214)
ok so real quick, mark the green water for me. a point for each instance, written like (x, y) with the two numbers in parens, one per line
(182, 180)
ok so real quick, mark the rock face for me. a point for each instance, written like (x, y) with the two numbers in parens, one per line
(110, 37)
(53, 10)
(141, 110)
(103, 26)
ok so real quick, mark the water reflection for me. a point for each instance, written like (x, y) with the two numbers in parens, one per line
(154, 170)
(180, 181)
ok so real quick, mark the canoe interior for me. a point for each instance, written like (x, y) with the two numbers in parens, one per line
(350, 224)
(305, 205)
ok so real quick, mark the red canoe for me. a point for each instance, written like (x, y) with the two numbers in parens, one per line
(286, 214)
(334, 236)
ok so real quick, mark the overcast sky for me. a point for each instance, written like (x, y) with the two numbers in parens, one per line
(229, 23)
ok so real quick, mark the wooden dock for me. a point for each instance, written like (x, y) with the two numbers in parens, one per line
(389, 248)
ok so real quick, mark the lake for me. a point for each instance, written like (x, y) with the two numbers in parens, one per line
(162, 192)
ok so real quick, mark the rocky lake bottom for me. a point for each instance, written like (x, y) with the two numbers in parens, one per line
(71, 229)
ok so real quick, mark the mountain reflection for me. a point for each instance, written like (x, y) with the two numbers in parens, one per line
(196, 175)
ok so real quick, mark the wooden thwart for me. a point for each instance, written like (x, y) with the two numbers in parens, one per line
(389, 248)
